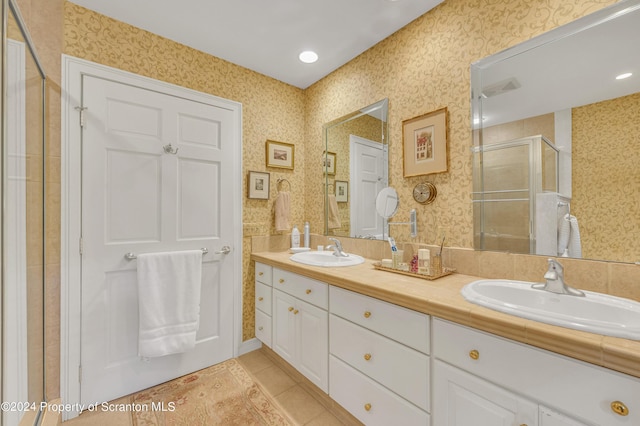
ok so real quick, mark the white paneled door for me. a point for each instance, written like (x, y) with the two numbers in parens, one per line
(154, 167)
(367, 179)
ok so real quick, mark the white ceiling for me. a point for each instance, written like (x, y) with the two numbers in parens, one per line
(267, 35)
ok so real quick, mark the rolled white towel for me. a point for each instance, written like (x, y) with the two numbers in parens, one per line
(575, 246)
(564, 234)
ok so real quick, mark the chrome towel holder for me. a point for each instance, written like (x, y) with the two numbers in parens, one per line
(133, 256)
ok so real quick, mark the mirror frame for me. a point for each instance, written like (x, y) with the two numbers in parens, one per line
(577, 26)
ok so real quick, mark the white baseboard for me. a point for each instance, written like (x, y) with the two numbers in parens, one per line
(249, 346)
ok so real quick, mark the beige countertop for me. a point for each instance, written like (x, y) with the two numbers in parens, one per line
(442, 298)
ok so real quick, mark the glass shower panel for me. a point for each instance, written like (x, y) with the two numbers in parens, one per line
(23, 248)
(512, 172)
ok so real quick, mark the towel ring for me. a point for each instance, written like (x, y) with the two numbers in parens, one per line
(280, 180)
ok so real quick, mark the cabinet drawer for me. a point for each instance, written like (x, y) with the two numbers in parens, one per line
(579, 389)
(263, 327)
(263, 273)
(398, 367)
(368, 401)
(397, 323)
(311, 291)
(263, 298)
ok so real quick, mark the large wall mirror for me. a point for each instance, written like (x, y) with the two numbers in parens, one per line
(356, 168)
(557, 141)
(23, 248)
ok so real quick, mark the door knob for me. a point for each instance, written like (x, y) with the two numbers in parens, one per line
(223, 250)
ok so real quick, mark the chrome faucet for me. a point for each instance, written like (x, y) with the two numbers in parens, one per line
(555, 281)
(337, 248)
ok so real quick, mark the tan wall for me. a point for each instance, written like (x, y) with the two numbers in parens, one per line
(423, 67)
(606, 177)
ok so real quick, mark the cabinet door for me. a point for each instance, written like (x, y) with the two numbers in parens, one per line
(548, 417)
(283, 328)
(461, 399)
(313, 343)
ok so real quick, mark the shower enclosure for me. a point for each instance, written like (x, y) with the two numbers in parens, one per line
(515, 197)
(22, 217)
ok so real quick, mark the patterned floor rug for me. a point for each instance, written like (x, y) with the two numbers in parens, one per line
(224, 394)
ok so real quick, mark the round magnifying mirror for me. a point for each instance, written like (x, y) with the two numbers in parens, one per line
(387, 202)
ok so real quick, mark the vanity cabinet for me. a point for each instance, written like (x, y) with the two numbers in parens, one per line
(379, 360)
(481, 373)
(300, 325)
(461, 398)
(263, 303)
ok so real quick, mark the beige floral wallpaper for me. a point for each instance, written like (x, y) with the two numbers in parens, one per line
(421, 68)
(606, 178)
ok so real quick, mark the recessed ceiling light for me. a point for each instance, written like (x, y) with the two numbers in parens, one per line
(623, 76)
(308, 57)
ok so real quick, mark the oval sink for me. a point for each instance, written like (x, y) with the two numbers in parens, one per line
(595, 313)
(326, 259)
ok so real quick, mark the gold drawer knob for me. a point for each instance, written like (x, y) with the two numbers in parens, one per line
(619, 408)
(290, 308)
(367, 407)
(260, 273)
(295, 312)
(308, 291)
(367, 357)
(474, 354)
(260, 299)
(367, 314)
(281, 280)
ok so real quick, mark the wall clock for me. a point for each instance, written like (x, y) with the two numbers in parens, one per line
(425, 192)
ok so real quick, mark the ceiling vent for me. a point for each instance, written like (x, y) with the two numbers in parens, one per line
(500, 88)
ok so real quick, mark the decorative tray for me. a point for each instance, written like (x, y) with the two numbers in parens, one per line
(445, 272)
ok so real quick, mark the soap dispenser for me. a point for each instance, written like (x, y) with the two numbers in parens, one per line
(295, 237)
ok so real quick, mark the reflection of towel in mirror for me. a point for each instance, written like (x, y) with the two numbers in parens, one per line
(575, 247)
(334, 218)
(564, 231)
(569, 244)
(282, 207)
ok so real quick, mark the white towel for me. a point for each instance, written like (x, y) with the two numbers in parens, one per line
(169, 301)
(282, 207)
(334, 217)
(564, 233)
(575, 246)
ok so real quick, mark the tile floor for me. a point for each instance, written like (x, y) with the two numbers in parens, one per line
(300, 405)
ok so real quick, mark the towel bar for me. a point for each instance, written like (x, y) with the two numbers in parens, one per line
(132, 256)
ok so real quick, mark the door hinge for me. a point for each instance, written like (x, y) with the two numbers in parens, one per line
(80, 245)
(81, 110)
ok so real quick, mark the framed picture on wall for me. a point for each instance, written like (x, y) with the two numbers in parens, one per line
(424, 142)
(342, 191)
(329, 163)
(258, 185)
(280, 154)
